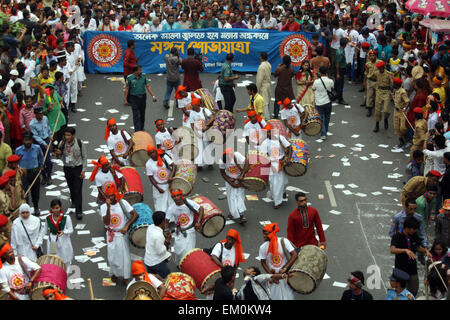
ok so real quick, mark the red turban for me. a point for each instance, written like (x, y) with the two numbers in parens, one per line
(58, 295)
(13, 158)
(10, 174)
(380, 64)
(111, 189)
(365, 45)
(373, 52)
(138, 268)
(435, 173)
(177, 93)
(159, 153)
(101, 162)
(285, 102)
(107, 130)
(398, 81)
(273, 245)
(177, 192)
(4, 250)
(3, 220)
(196, 102)
(239, 252)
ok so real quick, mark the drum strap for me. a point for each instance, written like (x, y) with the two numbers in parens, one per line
(286, 253)
(123, 136)
(125, 212)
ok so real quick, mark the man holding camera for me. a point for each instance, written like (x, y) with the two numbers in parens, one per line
(173, 62)
(192, 65)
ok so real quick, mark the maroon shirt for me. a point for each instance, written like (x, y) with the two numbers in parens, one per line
(301, 231)
(129, 62)
(191, 68)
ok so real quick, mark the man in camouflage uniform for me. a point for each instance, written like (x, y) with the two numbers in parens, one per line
(383, 98)
(370, 81)
(401, 102)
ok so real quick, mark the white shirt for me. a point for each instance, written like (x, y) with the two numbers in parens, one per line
(145, 28)
(224, 26)
(182, 215)
(118, 219)
(320, 93)
(253, 130)
(228, 255)
(339, 34)
(157, 28)
(437, 156)
(199, 118)
(272, 23)
(116, 143)
(278, 262)
(165, 140)
(256, 26)
(103, 180)
(292, 116)
(155, 250)
(273, 148)
(231, 169)
(184, 102)
(350, 50)
(160, 174)
(433, 118)
(13, 278)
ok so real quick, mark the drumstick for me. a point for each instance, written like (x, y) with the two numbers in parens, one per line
(90, 288)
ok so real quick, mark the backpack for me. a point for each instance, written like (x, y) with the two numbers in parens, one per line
(79, 145)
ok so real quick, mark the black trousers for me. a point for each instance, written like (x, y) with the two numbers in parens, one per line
(75, 184)
(138, 105)
(339, 85)
(229, 96)
(26, 182)
(360, 69)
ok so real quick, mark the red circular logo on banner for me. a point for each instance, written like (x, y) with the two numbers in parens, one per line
(104, 50)
(295, 46)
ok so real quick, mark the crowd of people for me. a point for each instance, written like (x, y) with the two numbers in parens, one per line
(395, 64)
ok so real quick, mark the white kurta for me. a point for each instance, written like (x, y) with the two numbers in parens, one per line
(186, 102)
(19, 240)
(293, 118)
(119, 258)
(198, 120)
(116, 143)
(235, 196)
(161, 175)
(13, 278)
(280, 291)
(165, 140)
(65, 249)
(72, 85)
(80, 71)
(183, 217)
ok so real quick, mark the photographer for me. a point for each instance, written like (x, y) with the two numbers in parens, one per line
(192, 65)
(173, 62)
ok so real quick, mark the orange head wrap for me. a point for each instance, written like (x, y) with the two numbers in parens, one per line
(252, 113)
(159, 153)
(177, 192)
(58, 295)
(285, 102)
(157, 122)
(107, 130)
(273, 245)
(101, 162)
(437, 81)
(239, 252)
(138, 268)
(268, 127)
(4, 250)
(196, 102)
(111, 189)
(177, 93)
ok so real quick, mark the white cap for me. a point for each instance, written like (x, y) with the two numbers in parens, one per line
(14, 73)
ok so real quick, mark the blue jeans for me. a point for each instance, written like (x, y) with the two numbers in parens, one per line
(325, 115)
(351, 71)
(169, 87)
(161, 269)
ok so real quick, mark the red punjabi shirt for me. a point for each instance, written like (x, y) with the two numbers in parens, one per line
(129, 62)
(300, 230)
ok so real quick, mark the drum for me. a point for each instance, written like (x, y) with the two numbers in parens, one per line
(187, 148)
(185, 176)
(141, 140)
(257, 176)
(313, 124)
(53, 274)
(134, 192)
(180, 286)
(213, 220)
(142, 290)
(138, 230)
(224, 120)
(199, 265)
(308, 269)
(299, 159)
(279, 125)
(208, 100)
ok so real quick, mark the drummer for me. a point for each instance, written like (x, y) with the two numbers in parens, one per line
(230, 169)
(252, 128)
(278, 148)
(293, 116)
(50, 293)
(160, 170)
(14, 280)
(119, 144)
(256, 102)
(184, 99)
(200, 120)
(182, 212)
(139, 274)
(229, 252)
(117, 225)
(164, 139)
(104, 177)
(274, 261)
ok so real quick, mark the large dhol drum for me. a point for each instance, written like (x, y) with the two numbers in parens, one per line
(208, 100)
(141, 140)
(257, 177)
(299, 159)
(308, 269)
(199, 265)
(279, 125)
(133, 191)
(313, 124)
(180, 286)
(185, 176)
(224, 120)
(213, 220)
(187, 148)
(142, 290)
(53, 274)
(138, 230)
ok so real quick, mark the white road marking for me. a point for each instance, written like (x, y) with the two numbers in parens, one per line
(330, 193)
(170, 112)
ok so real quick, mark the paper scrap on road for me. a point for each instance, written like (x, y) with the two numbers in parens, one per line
(77, 280)
(335, 212)
(295, 189)
(83, 232)
(364, 158)
(97, 239)
(263, 223)
(85, 119)
(347, 192)
(267, 200)
(113, 111)
(353, 186)
(325, 227)
(89, 211)
(387, 162)
(344, 122)
(355, 136)
(347, 107)
(93, 204)
(321, 196)
(336, 174)
(339, 186)
(356, 149)
(98, 103)
(98, 259)
(374, 155)
(362, 195)
(338, 145)
(383, 145)
(100, 245)
(102, 265)
(107, 282)
(377, 193)
(325, 277)
(346, 164)
(53, 193)
(229, 222)
(339, 284)
(360, 145)
(80, 226)
(82, 258)
(102, 119)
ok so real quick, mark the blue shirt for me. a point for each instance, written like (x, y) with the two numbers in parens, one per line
(384, 53)
(40, 130)
(175, 26)
(404, 295)
(413, 169)
(30, 159)
(397, 226)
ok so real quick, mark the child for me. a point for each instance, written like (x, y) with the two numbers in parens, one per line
(218, 93)
(394, 63)
(416, 166)
(60, 227)
(438, 250)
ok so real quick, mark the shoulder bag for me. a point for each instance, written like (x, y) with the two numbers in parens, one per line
(39, 252)
(331, 94)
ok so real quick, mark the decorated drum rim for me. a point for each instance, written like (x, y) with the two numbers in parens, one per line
(209, 276)
(210, 217)
(131, 231)
(179, 273)
(253, 178)
(38, 288)
(190, 184)
(290, 173)
(39, 260)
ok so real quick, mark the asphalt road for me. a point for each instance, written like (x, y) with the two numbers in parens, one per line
(356, 209)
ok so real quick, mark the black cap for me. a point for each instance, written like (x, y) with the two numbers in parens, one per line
(399, 275)
(38, 109)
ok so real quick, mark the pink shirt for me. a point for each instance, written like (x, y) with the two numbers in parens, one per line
(25, 117)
